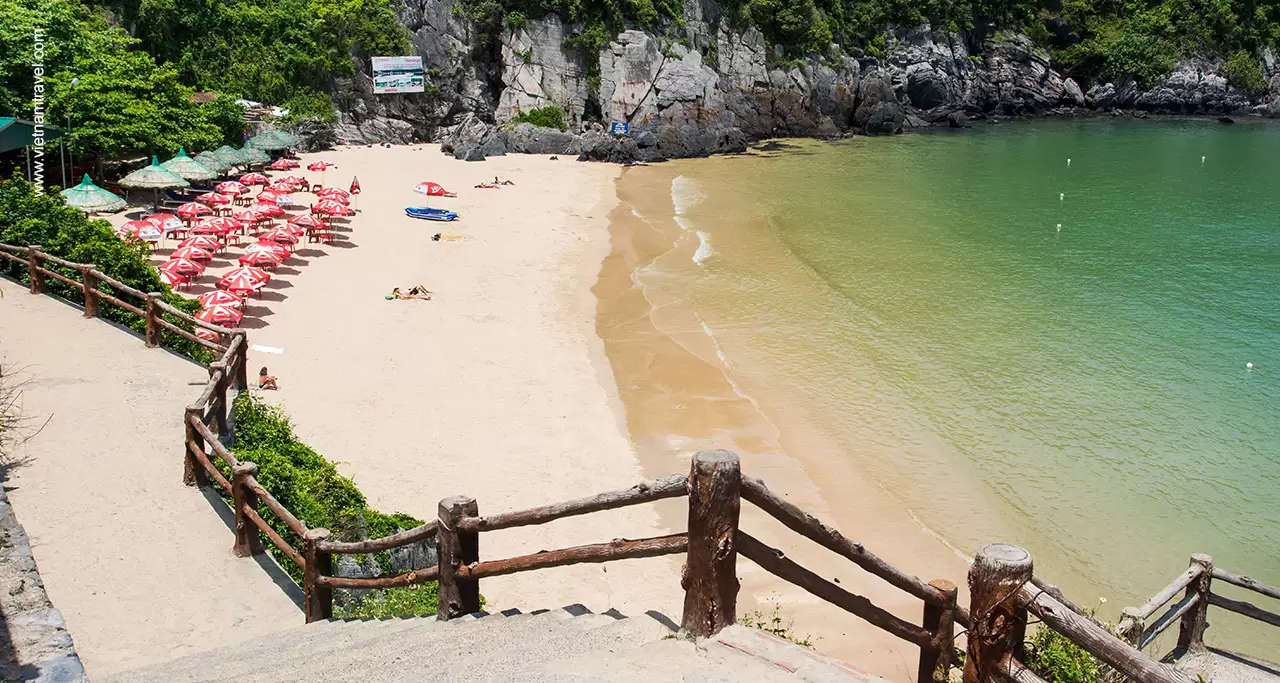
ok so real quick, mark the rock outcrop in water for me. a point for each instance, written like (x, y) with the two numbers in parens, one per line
(709, 88)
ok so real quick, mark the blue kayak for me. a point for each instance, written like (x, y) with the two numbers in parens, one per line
(431, 214)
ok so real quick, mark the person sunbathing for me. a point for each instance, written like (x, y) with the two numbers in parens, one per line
(417, 292)
(488, 186)
(266, 381)
(500, 183)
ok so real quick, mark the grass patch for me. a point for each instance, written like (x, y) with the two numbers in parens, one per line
(773, 622)
(311, 488)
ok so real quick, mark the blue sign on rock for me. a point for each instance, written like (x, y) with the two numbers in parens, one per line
(620, 128)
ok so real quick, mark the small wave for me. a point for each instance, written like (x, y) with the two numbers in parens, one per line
(636, 214)
(704, 250)
(684, 196)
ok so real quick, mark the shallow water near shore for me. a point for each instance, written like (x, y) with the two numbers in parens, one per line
(1012, 346)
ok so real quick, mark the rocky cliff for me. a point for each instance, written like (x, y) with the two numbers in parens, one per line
(704, 87)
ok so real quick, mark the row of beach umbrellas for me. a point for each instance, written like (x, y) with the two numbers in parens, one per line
(179, 171)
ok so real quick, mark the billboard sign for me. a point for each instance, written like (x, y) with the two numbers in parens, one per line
(620, 128)
(398, 74)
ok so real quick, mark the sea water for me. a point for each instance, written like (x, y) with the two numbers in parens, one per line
(1018, 348)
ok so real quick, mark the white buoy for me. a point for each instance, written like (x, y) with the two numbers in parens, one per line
(1062, 196)
(1248, 366)
(1202, 161)
(1059, 227)
(1068, 161)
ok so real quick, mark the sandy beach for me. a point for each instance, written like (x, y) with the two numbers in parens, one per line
(499, 387)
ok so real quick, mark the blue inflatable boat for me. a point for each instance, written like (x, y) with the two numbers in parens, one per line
(431, 214)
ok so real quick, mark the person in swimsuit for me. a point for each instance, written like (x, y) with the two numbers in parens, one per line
(266, 381)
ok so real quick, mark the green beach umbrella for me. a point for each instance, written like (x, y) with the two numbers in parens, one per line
(255, 155)
(90, 198)
(216, 163)
(271, 141)
(153, 177)
(189, 168)
(231, 155)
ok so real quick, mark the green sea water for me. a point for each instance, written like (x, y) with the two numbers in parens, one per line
(1019, 348)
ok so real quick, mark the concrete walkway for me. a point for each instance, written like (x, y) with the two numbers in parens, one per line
(140, 565)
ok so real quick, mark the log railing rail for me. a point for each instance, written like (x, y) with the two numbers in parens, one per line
(1003, 592)
(1191, 610)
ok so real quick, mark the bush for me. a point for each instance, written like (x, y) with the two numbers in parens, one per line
(312, 489)
(27, 217)
(1053, 657)
(1242, 71)
(546, 117)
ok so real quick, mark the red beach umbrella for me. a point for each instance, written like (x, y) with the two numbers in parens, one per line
(266, 209)
(279, 236)
(224, 223)
(245, 278)
(320, 166)
(172, 279)
(282, 164)
(248, 216)
(330, 207)
(269, 247)
(213, 199)
(139, 230)
(328, 192)
(201, 242)
(204, 333)
(192, 210)
(266, 196)
(207, 228)
(191, 254)
(306, 221)
(220, 298)
(231, 187)
(183, 266)
(221, 315)
(432, 190)
(164, 221)
(261, 259)
(254, 179)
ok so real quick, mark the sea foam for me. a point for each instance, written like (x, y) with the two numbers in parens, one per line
(684, 196)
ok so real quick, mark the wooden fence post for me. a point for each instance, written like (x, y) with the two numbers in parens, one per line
(90, 290)
(454, 548)
(710, 577)
(1131, 627)
(248, 543)
(242, 362)
(219, 400)
(317, 598)
(153, 319)
(193, 473)
(939, 620)
(1191, 631)
(998, 626)
(33, 269)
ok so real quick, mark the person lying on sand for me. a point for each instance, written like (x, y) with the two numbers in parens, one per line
(416, 292)
(501, 182)
(488, 186)
(266, 381)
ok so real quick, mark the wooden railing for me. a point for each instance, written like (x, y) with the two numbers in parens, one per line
(1191, 611)
(1003, 591)
(86, 278)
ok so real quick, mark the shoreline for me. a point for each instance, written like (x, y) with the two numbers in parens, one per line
(669, 386)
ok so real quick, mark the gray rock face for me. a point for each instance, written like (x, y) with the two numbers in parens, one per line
(705, 87)
(1194, 87)
(473, 140)
(538, 71)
